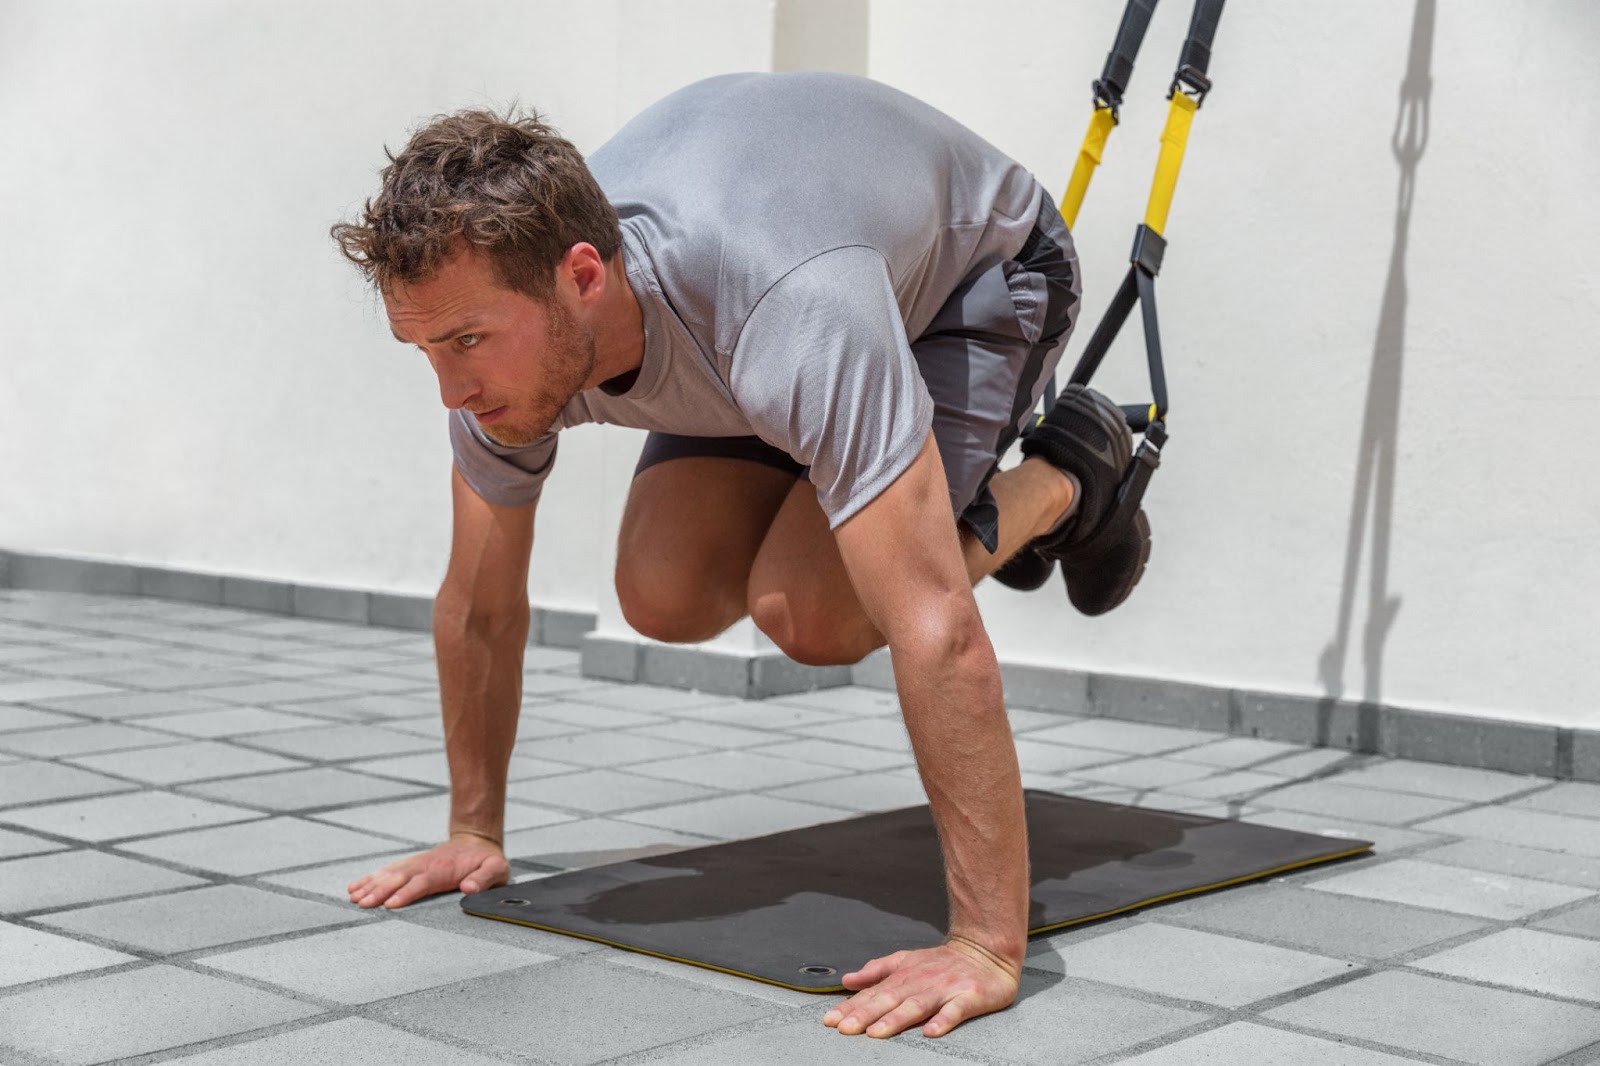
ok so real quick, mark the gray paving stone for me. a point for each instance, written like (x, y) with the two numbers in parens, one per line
(227, 722)
(1323, 923)
(62, 879)
(1582, 921)
(590, 715)
(735, 817)
(443, 912)
(1449, 888)
(14, 717)
(90, 667)
(583, 993)
(1261, 1045)
(603, 791)
(851, 701)
(1145, 773)
(862, 792)
(594, 842)
(344, 1042)
(348, 657)
(31, 781)
(610, 749)
(832, 753)
(257, 847)
(1306, 762)
(129, 704)
(532, 730)
(754, 714)
(136, 1013)
(339, 742)
(332, 879)
(1191, 964)
(1236, 753)
(432, 768)
(426, 819)
(1060, 1021)
(1044, 758)
(1539, 829)
(735, 771)
(804, 1043)
(269, 692)
(1357, 804)
(103, 818)
(648, 697)
(142, 675)
(1232, 784)
(1384, 838)
(200, 918)
(85, 739)
(372, 961)
(177, 763)
(1133, 738)
(14, 845)
(1566, 797)
(28, 955)
(299, 790)
(368, 706)
(1529, 959)
(371, 684)
(1431, 1016)
(536, 658)
(706, 734)
(888, 733)
(49, 688)
(724, 982)
(1437, 779)
(538, 684)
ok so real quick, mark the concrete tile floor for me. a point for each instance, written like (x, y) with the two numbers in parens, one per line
(185, 790)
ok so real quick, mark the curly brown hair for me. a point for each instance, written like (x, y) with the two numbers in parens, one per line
(509, 185)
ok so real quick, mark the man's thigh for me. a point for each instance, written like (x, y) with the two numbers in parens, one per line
(691, 530)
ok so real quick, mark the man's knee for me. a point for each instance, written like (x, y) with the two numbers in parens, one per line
(672, 607)
(812, 633)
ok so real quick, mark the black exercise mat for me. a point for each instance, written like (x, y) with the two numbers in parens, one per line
(802, 907)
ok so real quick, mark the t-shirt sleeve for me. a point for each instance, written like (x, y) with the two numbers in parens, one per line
(502, 474)
(822, 369)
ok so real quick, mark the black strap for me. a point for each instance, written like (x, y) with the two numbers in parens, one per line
(1195, 58)
(1119, 62)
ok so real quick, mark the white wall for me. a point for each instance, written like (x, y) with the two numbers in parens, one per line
(193, 378)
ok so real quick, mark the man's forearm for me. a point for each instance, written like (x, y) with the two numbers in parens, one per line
(955, 712)
(480, 685)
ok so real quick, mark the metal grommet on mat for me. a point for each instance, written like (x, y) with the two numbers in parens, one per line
(514, 902)
(818, 971)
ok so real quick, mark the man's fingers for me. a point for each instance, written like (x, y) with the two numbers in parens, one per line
(492, 872)
(379, 886)
(950, 1015)
(900, 1019)
(866, 1008)
(413, 889)
(874, 971)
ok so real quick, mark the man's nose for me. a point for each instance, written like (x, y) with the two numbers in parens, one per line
(456, 392)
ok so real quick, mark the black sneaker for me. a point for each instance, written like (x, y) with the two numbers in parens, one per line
(1025, 571)
(1102, 553)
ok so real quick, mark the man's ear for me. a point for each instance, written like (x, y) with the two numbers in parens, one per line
(583, 265)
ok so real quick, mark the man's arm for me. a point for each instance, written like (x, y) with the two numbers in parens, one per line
(480, 627)
(903, 555)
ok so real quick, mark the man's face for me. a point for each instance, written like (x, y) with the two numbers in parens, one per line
(511, 360)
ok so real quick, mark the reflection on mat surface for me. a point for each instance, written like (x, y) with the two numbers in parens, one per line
(802, 907)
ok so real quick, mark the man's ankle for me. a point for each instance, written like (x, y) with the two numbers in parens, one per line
(1065, 493)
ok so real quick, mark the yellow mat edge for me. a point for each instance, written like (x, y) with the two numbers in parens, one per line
(832, 989)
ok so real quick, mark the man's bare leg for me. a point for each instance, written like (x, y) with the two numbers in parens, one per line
(801, 596)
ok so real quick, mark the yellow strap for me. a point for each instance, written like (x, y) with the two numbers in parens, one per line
(1094, 146)
(1173, 140)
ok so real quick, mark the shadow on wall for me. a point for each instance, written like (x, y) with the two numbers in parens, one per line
(1380, 424)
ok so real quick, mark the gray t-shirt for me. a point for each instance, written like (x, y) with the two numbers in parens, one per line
(785, 234)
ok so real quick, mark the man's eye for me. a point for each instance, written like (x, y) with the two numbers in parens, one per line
(468, 340)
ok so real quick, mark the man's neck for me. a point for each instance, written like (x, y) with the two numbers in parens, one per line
(619, 328)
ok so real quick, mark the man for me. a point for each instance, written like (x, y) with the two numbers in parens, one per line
(834, 308)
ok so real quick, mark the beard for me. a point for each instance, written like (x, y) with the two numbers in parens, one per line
(569, 360)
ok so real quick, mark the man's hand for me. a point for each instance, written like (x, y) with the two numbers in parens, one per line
(466, 861)
(941, 986)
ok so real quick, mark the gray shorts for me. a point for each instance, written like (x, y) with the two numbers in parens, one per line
(985, 358)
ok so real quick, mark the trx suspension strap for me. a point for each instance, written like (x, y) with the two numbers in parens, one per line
(1188, 90)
